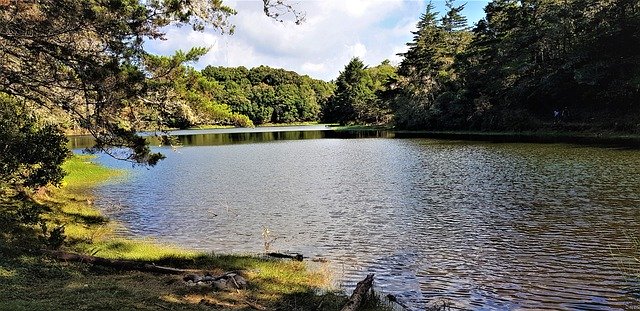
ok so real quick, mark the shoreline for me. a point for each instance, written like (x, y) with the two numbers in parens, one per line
(611, 139)
(273, 283)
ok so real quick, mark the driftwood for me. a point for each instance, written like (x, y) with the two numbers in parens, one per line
(393, 298)
(359, 294)
(116, 263)
(293, 256)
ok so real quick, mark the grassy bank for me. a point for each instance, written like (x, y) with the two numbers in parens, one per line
(289, 124)
(30, 280)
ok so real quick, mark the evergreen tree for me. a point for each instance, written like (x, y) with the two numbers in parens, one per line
(353, 94)
(426, 86)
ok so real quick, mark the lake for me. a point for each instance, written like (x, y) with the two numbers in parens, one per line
(488, 226)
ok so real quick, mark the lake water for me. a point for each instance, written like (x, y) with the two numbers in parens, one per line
(487, 226)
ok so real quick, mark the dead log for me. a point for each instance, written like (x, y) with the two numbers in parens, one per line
(293, 256)
(359, 294)
(393, 298)
(115, 263)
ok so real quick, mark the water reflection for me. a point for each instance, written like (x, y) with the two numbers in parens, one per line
(218, 137)
(488, 226)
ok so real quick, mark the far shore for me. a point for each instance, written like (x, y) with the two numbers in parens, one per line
(547, 135)
(606, 139)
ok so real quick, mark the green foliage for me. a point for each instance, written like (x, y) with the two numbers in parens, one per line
(524, 60)
(30, 153)
(54, 238)
(188, 98)
(86, 60)
(268, 95)
(426, 93)
(357, 98)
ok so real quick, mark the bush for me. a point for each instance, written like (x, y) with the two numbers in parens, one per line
(31, 154)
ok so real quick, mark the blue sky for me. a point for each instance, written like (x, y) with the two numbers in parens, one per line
(333, 33)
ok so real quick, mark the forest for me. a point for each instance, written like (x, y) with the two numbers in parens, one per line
(562, 65)
(527, 65)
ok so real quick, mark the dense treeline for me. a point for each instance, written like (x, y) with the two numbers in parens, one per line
(528, 64)
(524, 65)
(269, 95)
(359, 95)
(236, 96)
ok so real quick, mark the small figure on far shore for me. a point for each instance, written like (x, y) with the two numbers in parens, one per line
(564, 115)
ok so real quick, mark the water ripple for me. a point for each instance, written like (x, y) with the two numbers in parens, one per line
(487, 226)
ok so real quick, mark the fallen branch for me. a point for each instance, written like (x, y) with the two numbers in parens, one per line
(359, 294)
(293, 256)
(393, 298)
(115, 263)
(255, 305)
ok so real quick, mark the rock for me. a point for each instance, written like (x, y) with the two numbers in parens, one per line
(189, 277)
(220, 284)
(208, 278)
(241, 282)
(227, 282)
(230, 282)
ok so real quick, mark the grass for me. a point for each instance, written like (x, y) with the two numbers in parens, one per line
(30, 280)
(82, 172)
(210, 127)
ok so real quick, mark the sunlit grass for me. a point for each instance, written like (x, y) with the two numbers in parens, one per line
(143, 250)
(211, 127)
(289, 124)
(82, 172)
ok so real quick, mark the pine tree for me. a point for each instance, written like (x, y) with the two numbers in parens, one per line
(352, 96)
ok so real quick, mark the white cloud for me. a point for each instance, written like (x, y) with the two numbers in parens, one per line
(357, 50)
(333, 33)
(394, 57)
(314, 67)
(184, 38)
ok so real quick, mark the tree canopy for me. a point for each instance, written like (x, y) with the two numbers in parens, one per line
(269, 95)
(359, 93)
(86, 58)
(521, 62)
(84, 62)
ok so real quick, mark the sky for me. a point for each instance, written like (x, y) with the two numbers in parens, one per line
(333, 33)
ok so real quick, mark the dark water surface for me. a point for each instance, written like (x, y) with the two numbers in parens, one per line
(487, 226)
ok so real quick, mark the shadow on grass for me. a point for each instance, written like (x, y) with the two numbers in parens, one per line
(89, 220)
(32, 281)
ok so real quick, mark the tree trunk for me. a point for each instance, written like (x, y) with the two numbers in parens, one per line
(359, 294)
